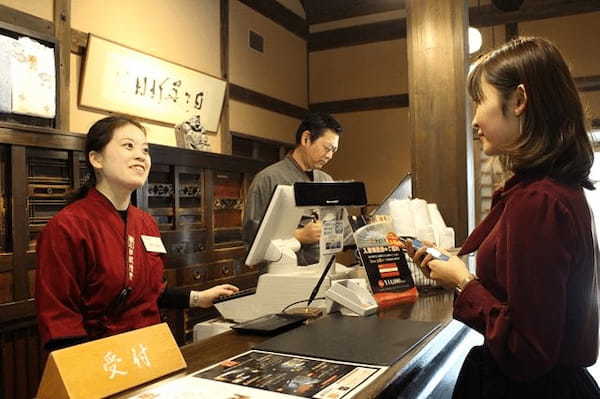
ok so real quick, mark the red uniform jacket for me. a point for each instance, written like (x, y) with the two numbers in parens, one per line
(535, 301)
(86, 256)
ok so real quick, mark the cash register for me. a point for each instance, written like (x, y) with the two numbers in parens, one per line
(284, 281)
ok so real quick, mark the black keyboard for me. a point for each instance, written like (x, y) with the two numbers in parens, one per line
(239, 294)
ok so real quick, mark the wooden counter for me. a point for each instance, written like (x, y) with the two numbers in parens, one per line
(400, 377)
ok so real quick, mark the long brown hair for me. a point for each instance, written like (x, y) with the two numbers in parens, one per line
(99, 135)
(554, 141)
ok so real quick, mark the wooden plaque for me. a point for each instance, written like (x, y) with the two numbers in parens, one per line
(109, 365)
(119, 79)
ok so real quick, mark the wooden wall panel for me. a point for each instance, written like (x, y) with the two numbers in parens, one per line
(21, 360)
(7, 368)
(6, 287)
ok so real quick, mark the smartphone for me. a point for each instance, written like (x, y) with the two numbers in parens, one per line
(431, 251)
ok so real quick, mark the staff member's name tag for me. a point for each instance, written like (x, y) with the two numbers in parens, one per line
(154, 244)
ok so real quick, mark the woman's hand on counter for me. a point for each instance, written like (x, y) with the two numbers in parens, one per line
(204, 299)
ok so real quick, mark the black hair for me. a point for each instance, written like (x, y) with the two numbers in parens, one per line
(99, 135)
(554, 141)
(317, 124)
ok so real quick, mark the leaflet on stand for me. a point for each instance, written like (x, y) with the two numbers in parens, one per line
(379, 251)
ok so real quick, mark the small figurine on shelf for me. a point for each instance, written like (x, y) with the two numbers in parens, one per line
(191, 134)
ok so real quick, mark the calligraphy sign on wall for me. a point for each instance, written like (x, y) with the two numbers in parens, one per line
(119, 79)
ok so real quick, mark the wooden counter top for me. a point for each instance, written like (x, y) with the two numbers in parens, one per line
(436, 306)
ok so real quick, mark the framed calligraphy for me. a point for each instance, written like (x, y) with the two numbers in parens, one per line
(119, 79)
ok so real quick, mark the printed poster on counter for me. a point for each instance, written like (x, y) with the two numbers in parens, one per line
(257, 374)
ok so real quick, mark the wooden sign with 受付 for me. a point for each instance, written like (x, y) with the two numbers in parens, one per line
(106, 366)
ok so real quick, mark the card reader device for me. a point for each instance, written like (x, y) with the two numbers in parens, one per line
(351, 295)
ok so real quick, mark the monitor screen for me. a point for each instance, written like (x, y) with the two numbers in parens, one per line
(402, 191)
(279, 222)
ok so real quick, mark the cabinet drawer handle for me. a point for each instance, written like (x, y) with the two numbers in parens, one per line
(178, 249)
(198, 275)
(226, 270)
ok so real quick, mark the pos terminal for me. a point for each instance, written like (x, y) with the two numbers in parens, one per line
(284, 281)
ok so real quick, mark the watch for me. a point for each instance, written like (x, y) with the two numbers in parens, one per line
(461, 286)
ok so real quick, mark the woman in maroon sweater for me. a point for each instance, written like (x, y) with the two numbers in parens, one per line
(534, 297)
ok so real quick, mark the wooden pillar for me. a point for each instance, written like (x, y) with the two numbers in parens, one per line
(226, 147)
(437, 50)
(62, 32)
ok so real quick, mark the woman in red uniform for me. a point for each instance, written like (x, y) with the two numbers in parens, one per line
(100, 266)
(534, 298)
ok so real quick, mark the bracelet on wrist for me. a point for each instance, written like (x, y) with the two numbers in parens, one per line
(196, 299)
(461, 286)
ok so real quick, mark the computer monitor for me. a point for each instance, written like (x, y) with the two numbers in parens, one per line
(402, 191)
(276, 229)
(275, 235)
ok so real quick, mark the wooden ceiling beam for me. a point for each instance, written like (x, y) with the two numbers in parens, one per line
(588, 83)
(478, 16)
(359, 34)
(22, 19)
(79, 41)
(489, 15)
(247, 96)
(320, 11)
(280, 15)
(361, 104)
